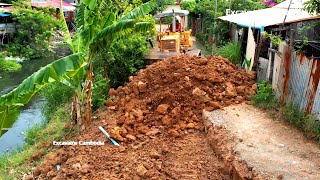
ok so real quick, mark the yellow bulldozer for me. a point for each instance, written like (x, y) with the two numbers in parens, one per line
(175, 36)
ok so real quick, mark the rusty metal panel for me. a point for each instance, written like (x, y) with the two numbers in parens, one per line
(316, 104)
(313, 84)
(297, 80)
(298, 84)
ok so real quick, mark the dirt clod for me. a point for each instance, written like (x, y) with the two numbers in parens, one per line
(141, 170)
(131, 137)
(163, 108)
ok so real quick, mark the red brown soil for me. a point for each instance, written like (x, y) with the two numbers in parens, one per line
(157, 116)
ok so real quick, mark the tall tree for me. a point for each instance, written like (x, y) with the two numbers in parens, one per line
(312, 6)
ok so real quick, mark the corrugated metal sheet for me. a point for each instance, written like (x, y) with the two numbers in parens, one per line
(271, 16)
(316, 104)
(276, 70)
(298, 83)
(298, 80)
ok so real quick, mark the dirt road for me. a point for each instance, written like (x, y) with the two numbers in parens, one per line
(274, 149)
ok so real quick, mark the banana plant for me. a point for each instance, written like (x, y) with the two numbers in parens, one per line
(97, 29)
(60, 70)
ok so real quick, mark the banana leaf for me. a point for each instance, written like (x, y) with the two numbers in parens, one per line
(60, 70)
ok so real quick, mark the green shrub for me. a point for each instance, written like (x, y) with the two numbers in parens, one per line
(32, 134)
(126, 57)
(264, 98)
(189, 5)
(34, 33)
(293, 114)
(56, 95)
(17, 163)
(231, 51)
(9, 65)
(99, 91)
(307, 122)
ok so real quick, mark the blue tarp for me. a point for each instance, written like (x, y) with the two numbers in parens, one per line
(5, 15)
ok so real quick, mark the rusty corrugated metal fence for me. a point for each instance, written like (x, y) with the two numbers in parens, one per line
(296, 79)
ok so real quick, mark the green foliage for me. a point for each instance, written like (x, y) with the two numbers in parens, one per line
(56, 95)
(97, 29)
(304, 34)
(307, 122)
(231, 51)
(207, 7)
(264, 98)
(34, 33)
(275, 39)
(60, 70)
(126, 57)
(100, 91)
(247, 64)
(212, 30)
(312, 6)
(9, 65)
(294, 115)
(14, 165)
(31, 136)
(8, 1)
(189, 5)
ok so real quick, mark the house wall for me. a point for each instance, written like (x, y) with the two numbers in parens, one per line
(7, 28)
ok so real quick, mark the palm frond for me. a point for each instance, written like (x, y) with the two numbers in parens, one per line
(79, 16)
(143, 27)
(109, 18)
(62, 21)
(8, 115)
(113, 31)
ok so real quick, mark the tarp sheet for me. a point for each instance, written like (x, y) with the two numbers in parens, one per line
(5, 15)
(170, 13)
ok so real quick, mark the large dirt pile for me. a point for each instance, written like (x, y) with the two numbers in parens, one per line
(162, 102)
(171, 95)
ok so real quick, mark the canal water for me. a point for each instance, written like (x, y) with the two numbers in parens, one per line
(31, 113)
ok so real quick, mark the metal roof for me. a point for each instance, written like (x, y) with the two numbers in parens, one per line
(5, 4)
(170, 13)
(54, 3)
(276, 15)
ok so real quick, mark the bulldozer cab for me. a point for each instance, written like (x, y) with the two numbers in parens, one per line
(174, 36)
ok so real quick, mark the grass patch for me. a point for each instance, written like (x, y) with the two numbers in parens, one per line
(265, 99)
(231, 51)
(203, 48)
(307, 122)
(9, 65)
(57, 94)
(16, 164)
